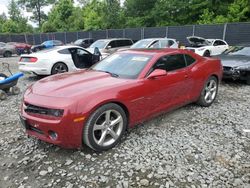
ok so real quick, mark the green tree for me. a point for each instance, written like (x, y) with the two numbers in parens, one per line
(35, 6)
(138, 13)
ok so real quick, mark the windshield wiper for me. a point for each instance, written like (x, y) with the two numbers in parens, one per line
(112, 74)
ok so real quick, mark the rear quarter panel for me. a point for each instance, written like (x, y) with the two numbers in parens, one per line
(201, 71)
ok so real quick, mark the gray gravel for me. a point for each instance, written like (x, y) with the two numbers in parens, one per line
(189, 147)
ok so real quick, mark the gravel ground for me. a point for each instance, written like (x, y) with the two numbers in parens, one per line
(189, 147)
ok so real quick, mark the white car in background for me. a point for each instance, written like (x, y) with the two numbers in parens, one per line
(155, 43)
(207, 47)
(56, 60)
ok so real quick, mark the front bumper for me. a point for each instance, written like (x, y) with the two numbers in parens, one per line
(235, 74)
(68, 133)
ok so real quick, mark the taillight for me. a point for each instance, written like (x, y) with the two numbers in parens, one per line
(33, 59)
(28, 59)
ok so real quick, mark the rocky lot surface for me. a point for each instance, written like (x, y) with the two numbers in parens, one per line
(189, 147)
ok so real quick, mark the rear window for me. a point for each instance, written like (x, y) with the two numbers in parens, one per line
(64, 51)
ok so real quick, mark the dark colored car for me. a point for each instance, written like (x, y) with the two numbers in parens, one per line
(46, 44)
(236, 63)
(96, 106)
(21, 48)
(85, 43)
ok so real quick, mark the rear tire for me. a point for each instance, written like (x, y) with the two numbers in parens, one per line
(206, 54)
(209, 92)
(59, 68)
(7, 54)
(105, 127)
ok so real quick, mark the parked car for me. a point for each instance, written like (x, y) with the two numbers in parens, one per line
(207, 47)
(21, 48)
(109, 46)
(85, 43)
(155, 43)
(7, 50)
(97, 105)
(236, 63)
(46, 44)
(57, 60)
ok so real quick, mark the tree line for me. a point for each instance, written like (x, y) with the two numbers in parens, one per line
(67, 15)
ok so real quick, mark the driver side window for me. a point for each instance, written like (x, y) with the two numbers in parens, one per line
(170, 63)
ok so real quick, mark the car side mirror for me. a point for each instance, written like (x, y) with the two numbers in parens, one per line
(157, 73)
(108, 47)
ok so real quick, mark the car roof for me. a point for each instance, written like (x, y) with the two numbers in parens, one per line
(111, 39)
(158, 39)
(154, 51)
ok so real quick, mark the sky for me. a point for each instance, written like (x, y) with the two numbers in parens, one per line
(4, 9)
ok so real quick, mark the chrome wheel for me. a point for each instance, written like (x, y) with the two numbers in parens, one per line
(210, 91)
(108, 128)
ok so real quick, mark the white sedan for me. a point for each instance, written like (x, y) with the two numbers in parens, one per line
(207, 47)
(56, 60)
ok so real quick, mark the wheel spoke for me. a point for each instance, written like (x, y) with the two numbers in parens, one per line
(102, 139)
(207, 95)
(107, 116)
(113, 134)
(116, 121)
(99, 127)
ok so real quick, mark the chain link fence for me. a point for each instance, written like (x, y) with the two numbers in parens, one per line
(233, 33)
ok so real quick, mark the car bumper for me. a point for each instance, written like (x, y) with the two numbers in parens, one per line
(38, 68)
(61, 131)
(234, 74)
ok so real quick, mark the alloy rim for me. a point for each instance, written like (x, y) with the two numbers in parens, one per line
(60, 69)
(107, 128)
(210, 91)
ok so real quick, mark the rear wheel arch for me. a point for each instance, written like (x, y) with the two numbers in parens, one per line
(58, 63)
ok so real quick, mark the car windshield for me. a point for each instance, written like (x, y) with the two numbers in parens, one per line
(141, 44)
(99, 44)
(124, 65)
(79, 41)
(238, 50)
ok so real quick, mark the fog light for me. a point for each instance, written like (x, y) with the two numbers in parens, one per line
(53, 135)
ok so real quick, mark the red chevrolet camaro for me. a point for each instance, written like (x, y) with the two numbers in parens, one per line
(96, 106)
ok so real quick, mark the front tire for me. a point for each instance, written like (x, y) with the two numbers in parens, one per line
(209, 92)
(59, 68)
(105, 127)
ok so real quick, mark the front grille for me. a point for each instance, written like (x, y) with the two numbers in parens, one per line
(29, 108)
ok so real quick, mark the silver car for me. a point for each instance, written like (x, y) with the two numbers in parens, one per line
(155, 43)
(6, 50)
(109, 46)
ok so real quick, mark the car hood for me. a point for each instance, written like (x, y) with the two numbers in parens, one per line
(234, 60)
(194, 40)
(80, 83)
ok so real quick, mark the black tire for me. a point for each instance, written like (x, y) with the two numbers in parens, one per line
(207, 54)
(203, 99)
(92, 138)
(14, 90)
(59, 68)
(7, 54)
(248, 79)
(3, 95)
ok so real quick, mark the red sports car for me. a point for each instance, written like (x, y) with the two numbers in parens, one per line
(96, 106)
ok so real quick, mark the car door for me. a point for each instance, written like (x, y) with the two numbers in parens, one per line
(170, 90)
(111, 47)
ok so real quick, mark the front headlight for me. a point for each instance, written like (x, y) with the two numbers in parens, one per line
(201, 49)
(56, 112)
